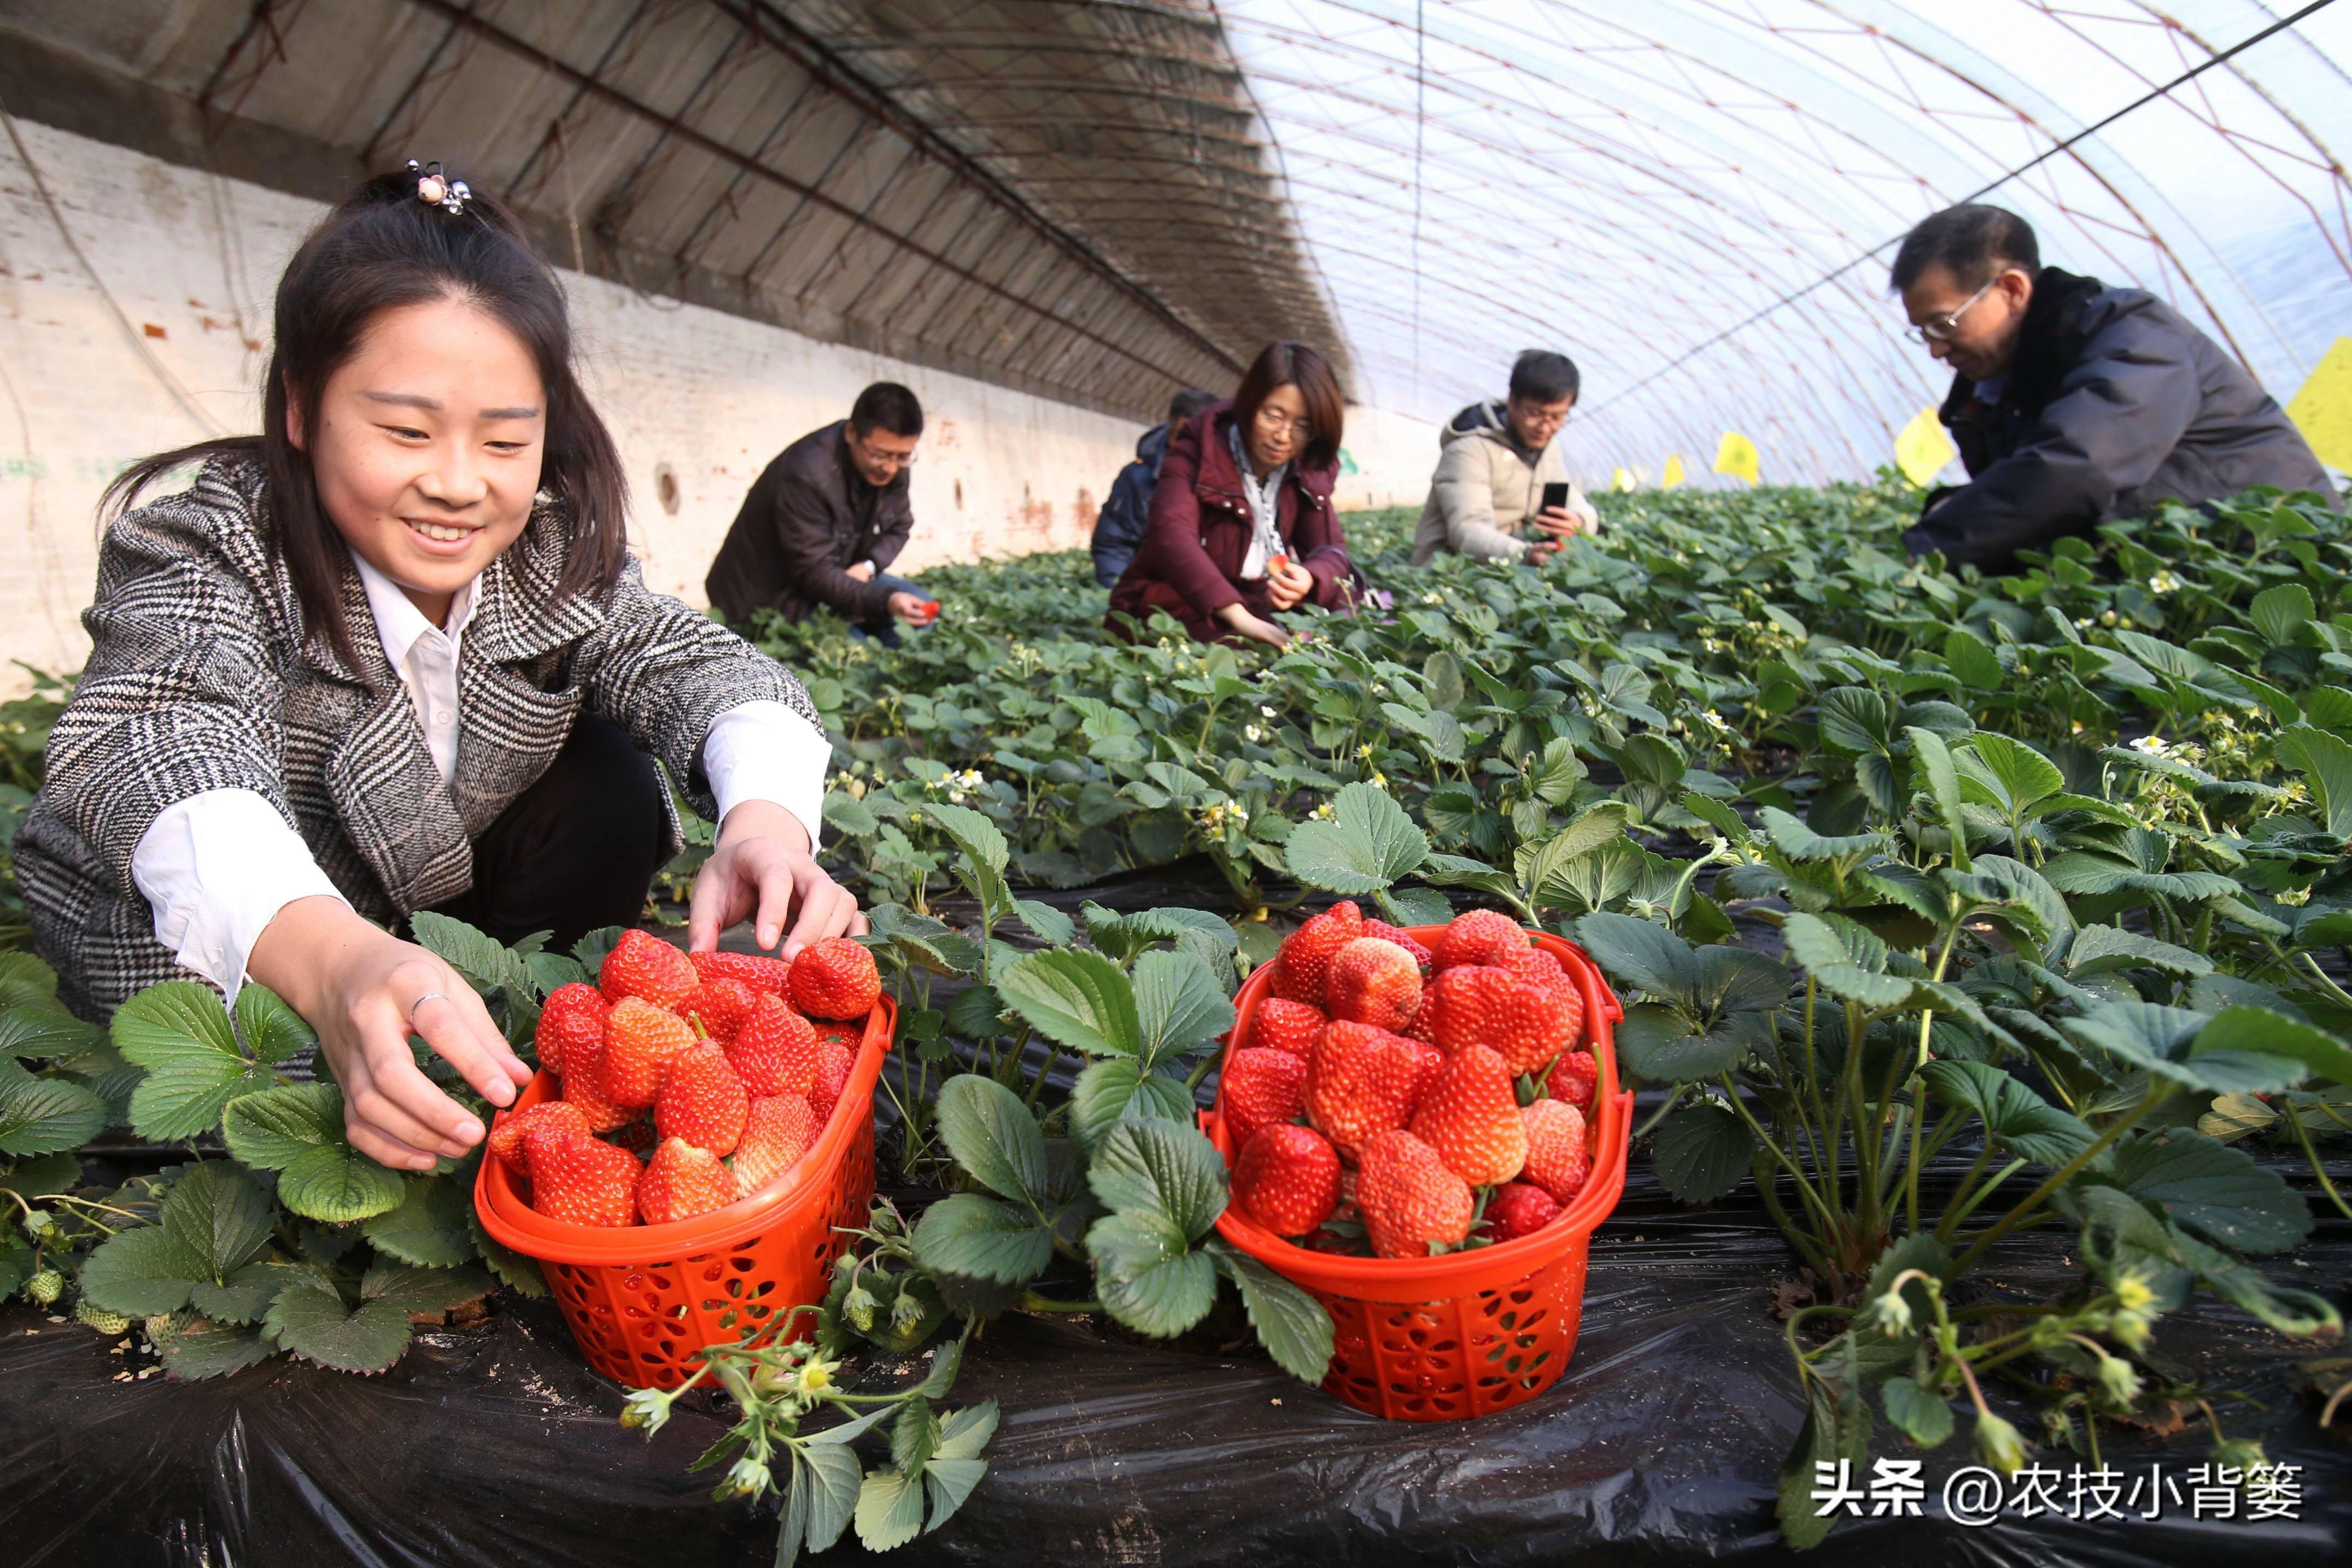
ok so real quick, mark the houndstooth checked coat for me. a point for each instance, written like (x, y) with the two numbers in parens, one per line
(201, 679)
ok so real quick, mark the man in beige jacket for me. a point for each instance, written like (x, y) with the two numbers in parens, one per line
(1494, 459)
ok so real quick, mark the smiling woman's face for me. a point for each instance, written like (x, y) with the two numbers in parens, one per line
(428, 447)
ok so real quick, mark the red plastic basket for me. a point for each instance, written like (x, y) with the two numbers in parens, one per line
(643, 1301)
(1467, 1333)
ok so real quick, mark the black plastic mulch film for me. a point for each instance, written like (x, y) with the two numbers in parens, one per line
(495, 1447)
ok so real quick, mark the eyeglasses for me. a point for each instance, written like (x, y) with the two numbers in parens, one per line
(1939, 328)
(1271, 420)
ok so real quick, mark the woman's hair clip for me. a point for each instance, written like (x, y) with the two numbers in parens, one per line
(434, 188)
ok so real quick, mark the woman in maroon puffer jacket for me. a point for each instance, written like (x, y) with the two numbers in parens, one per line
(1242, 522)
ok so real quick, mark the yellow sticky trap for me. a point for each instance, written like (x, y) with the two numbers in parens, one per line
(1620, 480)
(1674, 474)
(1921, 449)
(1737, 457)
(2323, 409)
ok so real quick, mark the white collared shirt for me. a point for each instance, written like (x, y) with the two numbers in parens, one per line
(1263, 497)
(217, 867)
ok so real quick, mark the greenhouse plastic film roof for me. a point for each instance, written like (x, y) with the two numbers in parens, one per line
(1698, 200)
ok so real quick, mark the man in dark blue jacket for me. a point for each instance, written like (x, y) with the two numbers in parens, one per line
(2074, 403)
(1118, 528)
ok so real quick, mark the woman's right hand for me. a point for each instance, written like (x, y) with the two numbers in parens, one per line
(365, 991)
(1238, 618)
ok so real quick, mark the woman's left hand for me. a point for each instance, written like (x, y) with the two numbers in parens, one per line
(761, 867)
(1287, 582)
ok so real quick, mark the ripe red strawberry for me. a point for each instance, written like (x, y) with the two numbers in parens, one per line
(835, 1063)
(1422, 1026)
(1526, 1021)
(719, 1007)
(701, 1101)
(1471, 1116)
(776, 1133)
(1518, 1209)
(1534, 963)
(1428, 1062)
(758, 974)
(1374, 981)
(1305, 957)
(637, 1136)
(1571, 1082)
(1281, 1025)
(1287, 1179)
(1261, 1088)
(573, 1017)
(583, 1079)
(681, 1180)
(578, 1179)
(1359, 1081)
(507, 1137)
(836, 979)
(1557, 1160)
(639, 1040)
(1482, 936)
(1409, 1198)
(775, 1050)
(1403, 939)
(644, 965)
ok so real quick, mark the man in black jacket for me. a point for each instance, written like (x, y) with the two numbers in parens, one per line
(823, 519)
(2074, 403)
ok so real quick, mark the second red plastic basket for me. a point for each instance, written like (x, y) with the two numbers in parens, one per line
(643, 1301)
(1472, 1332)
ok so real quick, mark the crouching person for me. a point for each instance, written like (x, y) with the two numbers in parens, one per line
(393, 655)
(1501, 491)
(1242, 524)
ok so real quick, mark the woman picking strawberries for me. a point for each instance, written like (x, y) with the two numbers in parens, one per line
(393, 655)
(1241, 523)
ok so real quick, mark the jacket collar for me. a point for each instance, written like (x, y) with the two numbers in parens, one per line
(1219, 476)
(2048, 343)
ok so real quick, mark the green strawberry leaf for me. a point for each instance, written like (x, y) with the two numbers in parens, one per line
(1145, 1275)
(44, 1115)
(1077, 998)
(970, 1235)
(1701, 1153)
(1179, 1005)
(1291, 1324)
(1367, 844)
(271, 1129)
(209, 1349)
(433, 1225)
(2215, 1189)
(1164, 1169)
(311, 1320)
(1109, 1092)
(1926, 1419)
(142, 1272)
(993, 1136)
(220, 1214)
(890, 1510)
(335, 1184)
(180, 1033)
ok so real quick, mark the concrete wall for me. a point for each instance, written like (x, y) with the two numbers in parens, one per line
(189, 259)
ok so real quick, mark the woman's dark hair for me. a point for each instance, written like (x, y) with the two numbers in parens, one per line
(381, 249)
(1288, 363)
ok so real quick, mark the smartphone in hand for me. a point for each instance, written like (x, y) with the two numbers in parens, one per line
(1554, 495)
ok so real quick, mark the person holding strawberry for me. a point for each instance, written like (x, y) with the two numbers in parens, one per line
(393, 654)
(1242, 526)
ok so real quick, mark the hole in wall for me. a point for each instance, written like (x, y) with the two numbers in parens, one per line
(666, 488)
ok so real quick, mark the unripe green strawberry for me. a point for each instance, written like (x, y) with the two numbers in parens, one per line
(1557, 1160)
(682, 1181)
(1524, 1021)
(836, 979)
(644, 966)
(1518, 1209)
(1361, 1080)
(97, 1317)
(1281, 1025)
(1261, 1088)
(1481, 936)
(1471, 1116)
(571, 1020)
(1287, 1179)
(701, 1101)
(1303, 960)
(1372, 980)
(774, 1052)
(1409, 1199)
(44, 1287)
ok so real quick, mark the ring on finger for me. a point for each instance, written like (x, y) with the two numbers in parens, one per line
(429, 996)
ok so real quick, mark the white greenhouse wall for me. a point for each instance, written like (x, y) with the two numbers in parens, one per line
(192, 259)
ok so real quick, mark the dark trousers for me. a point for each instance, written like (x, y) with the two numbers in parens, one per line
(575, 851)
